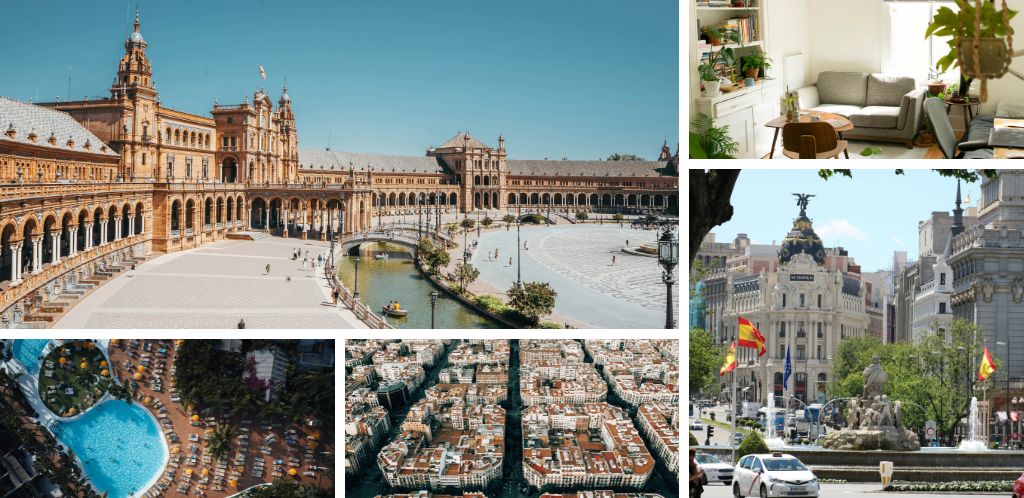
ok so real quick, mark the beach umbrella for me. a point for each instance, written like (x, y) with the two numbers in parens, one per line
(188, 471)
(103, 363)
(195, 418)
(115, 342)
(63, 361)
(137, 376)
(175, 450)
(141, 368)
(105, 372)
(314, 435)
(292, 472)
(233, 483)
(312, 444)
(72, 410)
(84, 365)
(206, 472)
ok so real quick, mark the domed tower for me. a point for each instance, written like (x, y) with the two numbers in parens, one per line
(134, 73)
(801, 238)
(288, 136)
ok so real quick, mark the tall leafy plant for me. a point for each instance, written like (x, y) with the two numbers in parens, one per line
(726, 55)
(960, 25)
(710, 141)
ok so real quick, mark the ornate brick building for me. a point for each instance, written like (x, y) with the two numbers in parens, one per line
(89, 183)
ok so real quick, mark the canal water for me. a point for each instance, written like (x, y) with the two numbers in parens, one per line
(381, 281)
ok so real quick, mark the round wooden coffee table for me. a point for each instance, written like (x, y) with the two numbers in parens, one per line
(840, 123)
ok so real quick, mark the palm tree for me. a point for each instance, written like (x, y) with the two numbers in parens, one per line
(220, 442)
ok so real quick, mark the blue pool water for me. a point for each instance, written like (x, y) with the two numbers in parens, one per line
(27, 351)
(119, 445)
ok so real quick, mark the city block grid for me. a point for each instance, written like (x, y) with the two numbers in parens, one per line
(505, 418)
(844, 365)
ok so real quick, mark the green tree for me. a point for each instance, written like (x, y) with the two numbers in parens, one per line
(282, 488)
(705, 360)
(752, 444)
(487, 221)
(436, 260)
(509, 220)
(532, 299)
(467, 224)
(693, 440)
(581, 216)
(220, 442)
(466, 274)
(618, 218)
(624, 157)
(711, 194)
(451, 229)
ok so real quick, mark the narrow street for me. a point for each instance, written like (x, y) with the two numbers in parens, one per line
(513, 471)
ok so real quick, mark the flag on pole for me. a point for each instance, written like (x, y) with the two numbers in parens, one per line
(988, 367)
(730, 360)
(750, 337)
(263, 74)
(788, 371)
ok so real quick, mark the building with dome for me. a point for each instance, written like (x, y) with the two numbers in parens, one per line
(810, 302)
(93, 182)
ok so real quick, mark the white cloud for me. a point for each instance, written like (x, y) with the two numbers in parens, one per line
(834, 231)
(897, 241)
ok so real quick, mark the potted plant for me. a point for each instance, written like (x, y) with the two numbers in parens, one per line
(935, 85)
(756, 65)
(926, 136)
(709, 141)
(994, 24)
(789, 106)
(708, 72)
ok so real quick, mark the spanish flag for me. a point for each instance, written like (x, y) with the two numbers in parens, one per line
(750, 337)
(987, 366)
(730, 360)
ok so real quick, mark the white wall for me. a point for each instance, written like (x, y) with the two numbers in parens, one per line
(846, 35)
(788, 30)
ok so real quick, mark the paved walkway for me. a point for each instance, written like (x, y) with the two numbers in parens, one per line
(213, 287)
(577, 261)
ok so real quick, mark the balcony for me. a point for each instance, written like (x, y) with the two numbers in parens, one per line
(207, 227)
(228, 148)
(175, 234)
(189, 231)
(146, 139)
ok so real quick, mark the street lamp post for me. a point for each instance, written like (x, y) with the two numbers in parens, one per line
(478, 224)
(433, 305)
(355, 293)
(1007, 344)
(519, 248)
(668, 256)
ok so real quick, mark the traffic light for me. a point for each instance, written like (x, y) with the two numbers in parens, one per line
(711, 431)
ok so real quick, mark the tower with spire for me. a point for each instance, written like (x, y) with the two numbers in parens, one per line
(287, 136)
(958, 214)
(134, 72)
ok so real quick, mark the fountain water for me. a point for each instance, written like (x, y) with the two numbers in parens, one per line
(972, 443)
(771, 438)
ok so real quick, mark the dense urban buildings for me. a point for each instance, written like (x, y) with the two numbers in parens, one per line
(92, 183)
(570, 440)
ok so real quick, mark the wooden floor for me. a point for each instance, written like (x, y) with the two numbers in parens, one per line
(934, 152)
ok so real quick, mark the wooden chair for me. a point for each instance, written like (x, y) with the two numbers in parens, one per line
(815, 140)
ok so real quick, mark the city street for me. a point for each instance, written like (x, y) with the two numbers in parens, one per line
(829, 490)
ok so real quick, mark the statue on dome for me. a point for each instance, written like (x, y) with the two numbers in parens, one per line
(801, 200)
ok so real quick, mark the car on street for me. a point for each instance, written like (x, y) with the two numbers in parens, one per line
(696, 425)
(714, 469)
(773, 474)
(738, 437)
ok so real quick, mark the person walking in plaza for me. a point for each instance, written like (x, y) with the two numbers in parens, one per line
(241, 323)
(334, 297)
(305, 264)
(495, 253)
(268, 269)
(510, 262)
(132, 271)
(627, 242)
(613, 260)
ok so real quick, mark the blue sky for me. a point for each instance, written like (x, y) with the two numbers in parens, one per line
(872, 215)
(569, 78)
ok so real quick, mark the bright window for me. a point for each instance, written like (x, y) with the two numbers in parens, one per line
(905, 50)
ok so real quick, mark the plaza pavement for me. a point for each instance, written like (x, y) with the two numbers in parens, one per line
(577, 261)
(214, 286)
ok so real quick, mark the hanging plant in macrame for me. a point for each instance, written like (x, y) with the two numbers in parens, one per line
(981, 40)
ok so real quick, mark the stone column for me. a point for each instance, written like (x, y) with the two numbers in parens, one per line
(16, 262)
(142, 223)
(55, 237)
(323, 224)
(284, 233)
(266, 219)
(37, 254)
(103, 232)
(88, 236)
(73, 241)
(117, 228)
(131, 225)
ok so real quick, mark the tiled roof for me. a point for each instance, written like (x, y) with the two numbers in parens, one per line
(27, 118)
(313, 160)
(521, 167)
(459, 140)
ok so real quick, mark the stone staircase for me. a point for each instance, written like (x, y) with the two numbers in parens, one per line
(247, 235)
(49, 312)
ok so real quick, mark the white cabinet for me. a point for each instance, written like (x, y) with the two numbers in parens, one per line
(745, 112)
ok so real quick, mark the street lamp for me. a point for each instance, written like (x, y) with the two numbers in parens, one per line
(519, 248)
(668, 256)
(433, 305)
(1001, 343)
(355, 294)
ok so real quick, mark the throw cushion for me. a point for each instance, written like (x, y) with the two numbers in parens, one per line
(876, 117)
(842, 110)
(842, 88)
(886, 90)
(1010, 109)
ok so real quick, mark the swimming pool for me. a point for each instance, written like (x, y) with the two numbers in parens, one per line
(27, 351)
(119, 445)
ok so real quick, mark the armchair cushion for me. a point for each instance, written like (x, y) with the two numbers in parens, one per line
(875, 117)
(842, 110)
(885, 90)
(842, 88)
(911, 106)
(807, 97)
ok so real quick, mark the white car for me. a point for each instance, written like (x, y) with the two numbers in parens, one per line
(714, 469)
(775, 474)
(696, 425)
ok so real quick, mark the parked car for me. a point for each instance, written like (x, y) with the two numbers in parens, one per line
(714, 469)
(696, 425)
(773, 474)
(738, 437)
